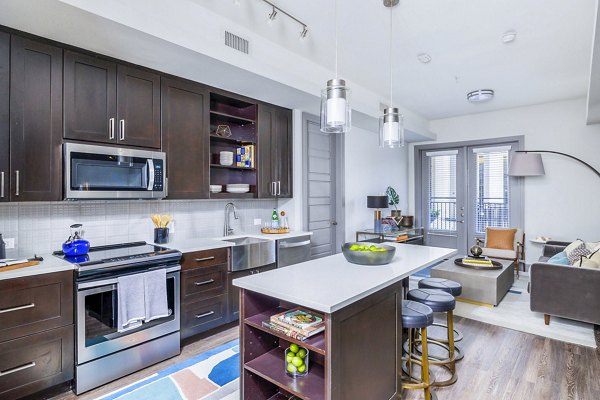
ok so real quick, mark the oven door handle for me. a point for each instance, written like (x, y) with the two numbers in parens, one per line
(113, 281)
(150, 165)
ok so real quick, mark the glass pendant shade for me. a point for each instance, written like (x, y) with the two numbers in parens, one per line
(335, 107)
(391, 128)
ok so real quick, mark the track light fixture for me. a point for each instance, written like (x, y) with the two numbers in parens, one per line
(275, 10)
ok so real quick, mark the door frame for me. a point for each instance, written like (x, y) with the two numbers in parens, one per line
(340, 199)
(419, 152)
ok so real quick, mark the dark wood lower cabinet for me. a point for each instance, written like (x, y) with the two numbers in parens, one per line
(202, 315)
(36, 362)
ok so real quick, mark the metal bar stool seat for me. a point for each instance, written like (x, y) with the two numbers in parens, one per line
(440, 301)
(448, 286)
(417, 316)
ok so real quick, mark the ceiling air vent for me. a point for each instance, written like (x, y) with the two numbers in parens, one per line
(236, 42)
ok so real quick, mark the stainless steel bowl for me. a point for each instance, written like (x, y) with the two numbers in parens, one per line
(368, 257)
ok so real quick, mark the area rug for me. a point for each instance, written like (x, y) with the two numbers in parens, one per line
(513, 312)
(212, 375)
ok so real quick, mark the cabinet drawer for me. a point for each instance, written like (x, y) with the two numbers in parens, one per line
(36, 362)
(200, 316)
(202, 283)
(206, 258)
(35, 303)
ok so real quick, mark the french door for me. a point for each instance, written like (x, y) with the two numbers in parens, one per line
(464, 190)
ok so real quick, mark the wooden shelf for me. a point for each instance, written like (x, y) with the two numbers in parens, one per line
(230, 140)
(225, 195)
(279, 396)
(271, 366)
(232, 167)
(231, 118)
(315, 343)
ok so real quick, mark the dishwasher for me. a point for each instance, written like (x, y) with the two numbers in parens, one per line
(293, 250)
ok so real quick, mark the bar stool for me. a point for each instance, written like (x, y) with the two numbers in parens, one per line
(440, 301)
(455, 289)
(417, 316)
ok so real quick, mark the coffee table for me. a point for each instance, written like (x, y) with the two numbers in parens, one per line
(487, 287)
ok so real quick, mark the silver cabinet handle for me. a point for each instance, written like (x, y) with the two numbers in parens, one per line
(206, 314)
(17, 369)
(17, 183)
(122, 129)
(273, 192)
(279, 188)
(286, 245)
(204, 282)
(111, 128)
(23, 307)
(205, 259)
(2, 184)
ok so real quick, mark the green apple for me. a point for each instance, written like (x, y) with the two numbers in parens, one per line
(301, 353)
(294, 348)
(291, 368)
(297, 361)
(301, 369)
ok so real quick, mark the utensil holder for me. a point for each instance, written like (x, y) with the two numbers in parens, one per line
(161, 235)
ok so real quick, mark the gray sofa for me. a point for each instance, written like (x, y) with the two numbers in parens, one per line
(562, 290)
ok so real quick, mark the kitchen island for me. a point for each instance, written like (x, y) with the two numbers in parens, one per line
(358, 355)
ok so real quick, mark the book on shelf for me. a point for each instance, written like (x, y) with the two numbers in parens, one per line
(301, 321)
(288, 331)
(476, 261)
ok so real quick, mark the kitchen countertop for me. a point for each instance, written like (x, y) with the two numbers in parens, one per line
(49, 265)
(329, 284)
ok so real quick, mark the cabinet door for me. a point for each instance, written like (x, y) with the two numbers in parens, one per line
(36, 121)
(284, 154)
(90, 90)
(266, 151)
(138, 107)
(4, 115)
(184, 108)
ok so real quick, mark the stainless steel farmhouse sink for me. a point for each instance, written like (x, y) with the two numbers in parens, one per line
(251, 252)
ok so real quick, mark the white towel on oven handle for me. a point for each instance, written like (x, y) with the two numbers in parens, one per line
(130, 299)
(155, 295)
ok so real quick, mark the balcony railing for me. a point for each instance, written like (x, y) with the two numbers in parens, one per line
(489, 212)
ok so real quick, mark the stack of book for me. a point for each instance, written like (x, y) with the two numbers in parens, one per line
(297, 323)
(477, 261)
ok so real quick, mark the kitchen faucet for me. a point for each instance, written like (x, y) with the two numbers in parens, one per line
(227, 229)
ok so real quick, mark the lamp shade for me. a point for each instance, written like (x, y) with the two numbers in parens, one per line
(526, 164)
(377, 202)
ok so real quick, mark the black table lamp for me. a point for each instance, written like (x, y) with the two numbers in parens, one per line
(377, 202)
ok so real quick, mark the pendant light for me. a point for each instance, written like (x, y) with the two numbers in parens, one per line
(335, 98)
(391, 123)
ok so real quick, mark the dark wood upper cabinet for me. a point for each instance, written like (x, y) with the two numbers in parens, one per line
(138, 107)
(35, 121)
(185, 106)
(90, 91)
(275, 151)
(4, 116)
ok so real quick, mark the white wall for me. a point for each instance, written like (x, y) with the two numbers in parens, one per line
(369, 170)
(563, 204)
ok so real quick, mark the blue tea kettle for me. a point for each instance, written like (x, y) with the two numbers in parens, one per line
(75, 244)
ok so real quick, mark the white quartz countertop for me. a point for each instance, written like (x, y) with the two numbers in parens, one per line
(49, 265)
(329, 284)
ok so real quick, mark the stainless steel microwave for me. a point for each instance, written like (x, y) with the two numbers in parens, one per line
(102, 172)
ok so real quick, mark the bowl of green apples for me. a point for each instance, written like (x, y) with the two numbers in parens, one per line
(364, 253)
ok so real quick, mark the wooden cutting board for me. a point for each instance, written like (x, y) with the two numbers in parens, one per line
(17, 266)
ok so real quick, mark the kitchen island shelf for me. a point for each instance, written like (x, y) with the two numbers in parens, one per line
(271, 366)
(315, 343)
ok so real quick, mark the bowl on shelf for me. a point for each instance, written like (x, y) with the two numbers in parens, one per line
(215, 188)
(362, 257)
(237, 188)
(226, 158)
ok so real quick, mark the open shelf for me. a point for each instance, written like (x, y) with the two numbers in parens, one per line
(221, 116)
(271, 366)
(225, 195)
(315, 343)
(230, 140)
(279, 396)
(232, 167)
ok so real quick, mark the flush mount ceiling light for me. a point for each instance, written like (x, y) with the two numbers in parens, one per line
(424, 58)
(391, 123)
(509, 37)
(480, 96)
(275, 10)
(335, 98)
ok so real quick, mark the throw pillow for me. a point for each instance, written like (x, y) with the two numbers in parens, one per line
(595, 256)
(573, 245)
(559, 258)
(586, 262)
(575, 254)
(592, 246)
(502, 239)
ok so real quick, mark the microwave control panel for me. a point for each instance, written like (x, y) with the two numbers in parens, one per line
(158, 175)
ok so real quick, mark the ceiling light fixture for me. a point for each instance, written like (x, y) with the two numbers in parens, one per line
(275, 10)
(424, 58)
(335, 98)
(509, 37)
(480, 96)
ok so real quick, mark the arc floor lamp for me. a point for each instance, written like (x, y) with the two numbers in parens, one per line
(529, 163)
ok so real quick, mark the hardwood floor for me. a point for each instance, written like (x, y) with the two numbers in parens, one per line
(499, 364)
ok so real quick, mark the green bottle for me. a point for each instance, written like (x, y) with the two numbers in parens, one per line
(275, 219)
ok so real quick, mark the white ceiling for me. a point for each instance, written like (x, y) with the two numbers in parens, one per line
(550, 60)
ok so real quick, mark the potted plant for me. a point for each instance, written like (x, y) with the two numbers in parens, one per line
(394, 200)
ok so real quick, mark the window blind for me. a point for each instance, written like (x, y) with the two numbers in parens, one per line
(492, 190)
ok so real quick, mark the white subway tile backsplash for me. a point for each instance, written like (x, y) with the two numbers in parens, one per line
(42, 227)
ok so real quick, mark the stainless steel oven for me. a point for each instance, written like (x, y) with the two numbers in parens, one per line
(103, 172)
